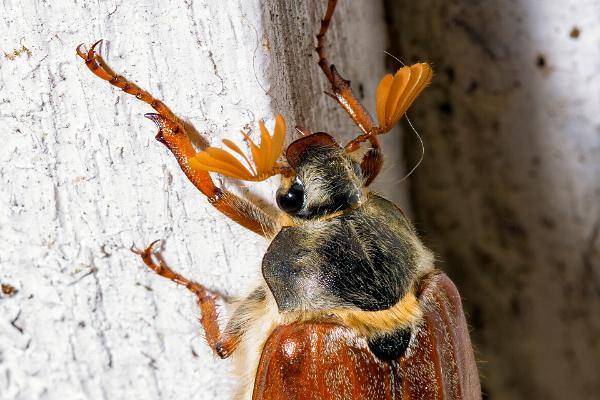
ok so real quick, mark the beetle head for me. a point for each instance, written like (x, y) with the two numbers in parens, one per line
(325, 178)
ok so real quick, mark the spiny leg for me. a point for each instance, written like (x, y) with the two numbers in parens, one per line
(342, 93)
(222, 345)
(371, 164)
(95, 64)
(173, 135)
(240, 210)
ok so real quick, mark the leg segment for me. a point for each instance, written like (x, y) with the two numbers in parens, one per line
(342, 93)
(222, 345)
(172, 134)
(95, 64)
(371, 164)
(242, 211)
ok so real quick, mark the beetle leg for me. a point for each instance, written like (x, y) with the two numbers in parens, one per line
(172, 134)
(342, 93)
(242, 211)
(222, 345)
(95, 64)
(371, 164)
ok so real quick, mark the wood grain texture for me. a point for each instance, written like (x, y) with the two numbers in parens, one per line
(82, 179)
(328, 361)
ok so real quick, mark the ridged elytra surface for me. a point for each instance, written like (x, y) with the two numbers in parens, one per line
(327, 361)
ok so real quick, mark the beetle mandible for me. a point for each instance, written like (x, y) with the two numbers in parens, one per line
(351, 305)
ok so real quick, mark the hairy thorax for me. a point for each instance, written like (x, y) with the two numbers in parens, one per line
(367, 260)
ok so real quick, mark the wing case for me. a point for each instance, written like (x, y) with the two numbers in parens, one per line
(323, 360)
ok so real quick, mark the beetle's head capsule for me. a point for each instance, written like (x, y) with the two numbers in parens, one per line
(326, 179)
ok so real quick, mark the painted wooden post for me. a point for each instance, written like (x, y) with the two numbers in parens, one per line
(82, 179)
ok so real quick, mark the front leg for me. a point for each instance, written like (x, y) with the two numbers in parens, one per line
(242, 211)
(342, 93)
(221, 344)
(173, 135)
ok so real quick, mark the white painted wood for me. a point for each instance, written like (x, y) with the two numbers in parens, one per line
(82, 179)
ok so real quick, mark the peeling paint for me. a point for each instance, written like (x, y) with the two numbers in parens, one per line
(82, 179)
(16, 53)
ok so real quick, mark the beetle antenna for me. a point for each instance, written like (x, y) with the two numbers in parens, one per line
(395, 58)
(411, 127)
(422, 148)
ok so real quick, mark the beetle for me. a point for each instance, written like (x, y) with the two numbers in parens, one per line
(351, 305)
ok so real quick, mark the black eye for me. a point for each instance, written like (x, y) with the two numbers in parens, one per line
(293, 199)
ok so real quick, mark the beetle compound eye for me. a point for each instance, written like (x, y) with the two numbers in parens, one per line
(293, 200)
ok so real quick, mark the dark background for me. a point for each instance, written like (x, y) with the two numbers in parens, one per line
(508, 195)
